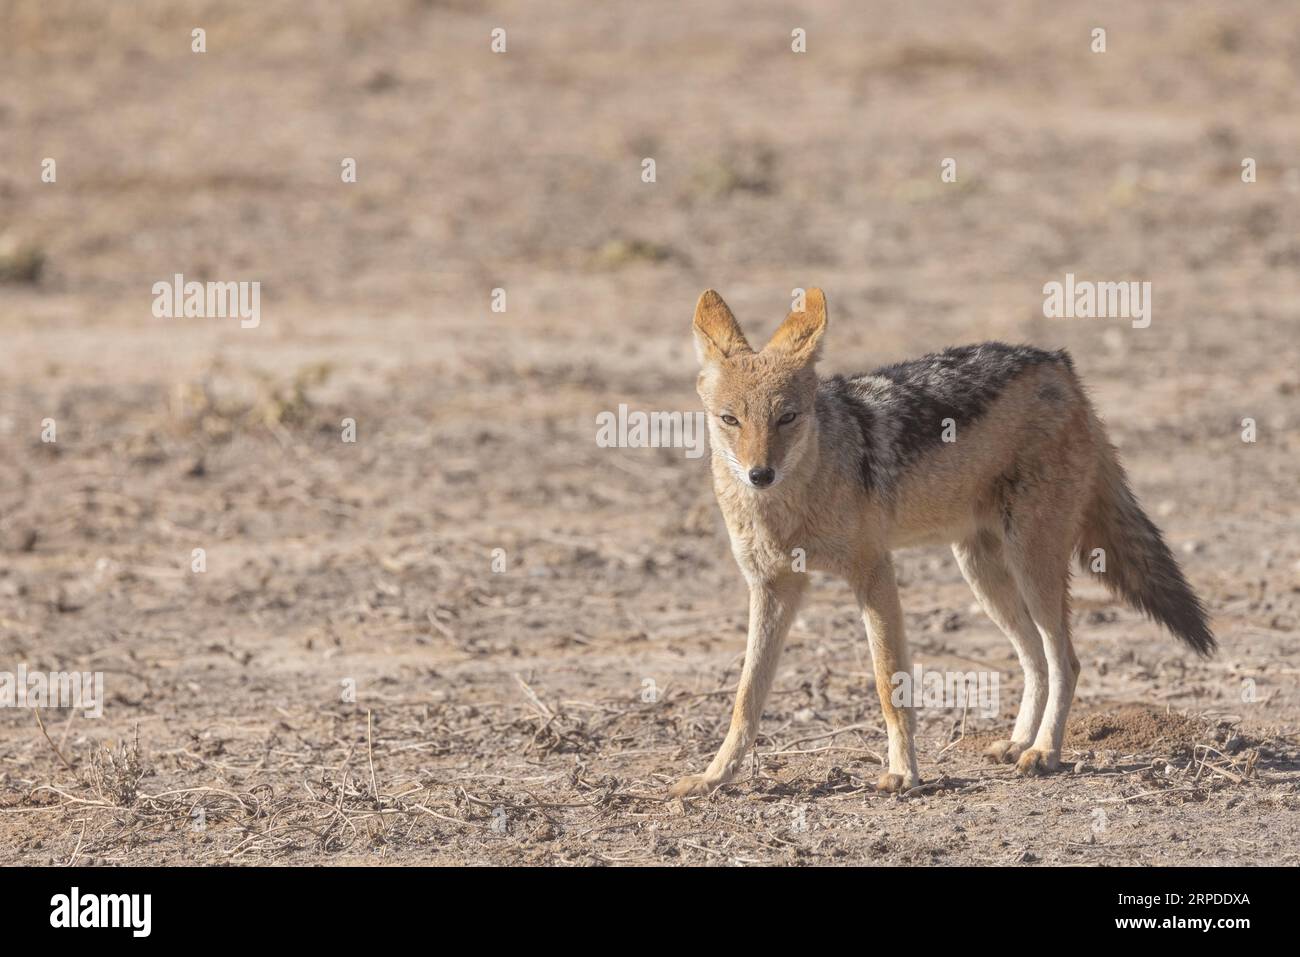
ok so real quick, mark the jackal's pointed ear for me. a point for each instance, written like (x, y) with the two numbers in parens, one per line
(717, 334)
(801, 333)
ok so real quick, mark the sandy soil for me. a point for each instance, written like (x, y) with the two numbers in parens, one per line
(537, 712)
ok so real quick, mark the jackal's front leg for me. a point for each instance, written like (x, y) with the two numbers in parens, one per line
(877, 594)
(771, 610)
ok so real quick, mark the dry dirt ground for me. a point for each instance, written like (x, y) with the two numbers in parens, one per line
(537, 712)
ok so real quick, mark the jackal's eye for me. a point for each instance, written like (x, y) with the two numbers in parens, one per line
(787, 418)
(731, 420)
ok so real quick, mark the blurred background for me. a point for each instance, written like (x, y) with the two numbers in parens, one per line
(522, 171)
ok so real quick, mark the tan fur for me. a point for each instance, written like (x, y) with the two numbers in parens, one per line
(1014, 540)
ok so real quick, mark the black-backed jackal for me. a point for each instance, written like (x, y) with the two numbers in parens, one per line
(849, 468)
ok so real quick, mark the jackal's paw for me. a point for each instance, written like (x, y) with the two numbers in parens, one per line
(1003, 752)
(693, 785)
(890, 783)
(1034, 761)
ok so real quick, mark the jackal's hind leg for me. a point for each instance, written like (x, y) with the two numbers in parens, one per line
(983, 564)
(1042, 572)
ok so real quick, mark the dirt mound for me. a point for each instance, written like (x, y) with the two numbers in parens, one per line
(1128, 729)
(1135, 729)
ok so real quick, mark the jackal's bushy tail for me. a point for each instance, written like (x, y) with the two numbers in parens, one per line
(1138, 565)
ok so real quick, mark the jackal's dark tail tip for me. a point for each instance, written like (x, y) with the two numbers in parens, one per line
(1189, 622)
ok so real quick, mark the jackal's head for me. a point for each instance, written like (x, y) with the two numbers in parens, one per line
(759, 404)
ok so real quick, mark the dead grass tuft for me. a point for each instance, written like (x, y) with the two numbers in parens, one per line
(114, 774)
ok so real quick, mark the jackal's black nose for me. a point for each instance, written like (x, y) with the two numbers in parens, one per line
(762, 477)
